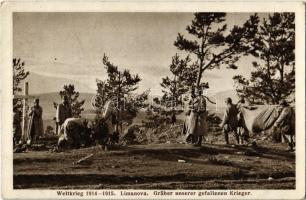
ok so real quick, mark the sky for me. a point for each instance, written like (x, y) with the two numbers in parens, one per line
(71, 45)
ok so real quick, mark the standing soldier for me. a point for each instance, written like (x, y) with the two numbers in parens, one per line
(230, 121)
(35, 128)
(63, 112)
(242, 129)
(201, 118)
(195, 125)
(190, 120)
(109, 117)
(285, 124)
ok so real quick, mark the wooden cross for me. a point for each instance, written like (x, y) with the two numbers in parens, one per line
(24, 98)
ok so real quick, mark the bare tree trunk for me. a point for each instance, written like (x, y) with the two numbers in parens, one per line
(118, 103)
(200, 74)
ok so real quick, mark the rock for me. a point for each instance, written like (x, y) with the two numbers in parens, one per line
(270, 178)
(38, 147)
(20, 148)
(181, 161)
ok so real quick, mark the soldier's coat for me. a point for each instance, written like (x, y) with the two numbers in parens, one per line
(63, 112)
(35, 126)
(107, 115)
(196, 120)
(72, 131)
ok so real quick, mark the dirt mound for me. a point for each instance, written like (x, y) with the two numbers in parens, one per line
(142, 135)
(164, 132)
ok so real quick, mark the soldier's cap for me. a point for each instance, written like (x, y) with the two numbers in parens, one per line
(242, 100)
(283, 102)
(228, 100)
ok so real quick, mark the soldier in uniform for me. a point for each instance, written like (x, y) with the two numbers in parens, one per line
(242, 129)
(190, 122)
(230, 121)
(63, 112)
(201, 118)
(285, 124)
(35, 128)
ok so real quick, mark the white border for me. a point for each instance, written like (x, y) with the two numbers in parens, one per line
(7, 8)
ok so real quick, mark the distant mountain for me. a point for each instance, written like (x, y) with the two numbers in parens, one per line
(39, 84)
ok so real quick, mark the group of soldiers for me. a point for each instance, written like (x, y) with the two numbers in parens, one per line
(35, 123)
(196, 126)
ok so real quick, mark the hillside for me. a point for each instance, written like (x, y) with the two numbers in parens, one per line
(47, 87)
(39, 84)
(47, 99)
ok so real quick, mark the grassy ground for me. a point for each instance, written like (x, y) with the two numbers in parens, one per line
(212, 166)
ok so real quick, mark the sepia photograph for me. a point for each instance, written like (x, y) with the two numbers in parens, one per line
(191, 104)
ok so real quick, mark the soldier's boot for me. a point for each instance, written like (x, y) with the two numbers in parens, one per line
(226, 137)
(290, 146)
(246, 139)
(193, 139)
(199, 143)
(237, 137)
(241, 140)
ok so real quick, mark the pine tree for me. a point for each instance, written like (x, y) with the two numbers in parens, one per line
(274, 75)
(119, 88)
(19, 74)
(134, 103)
(102, 95)
(211, 46)
(156, 115)
(120, 82)
(174, 86)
